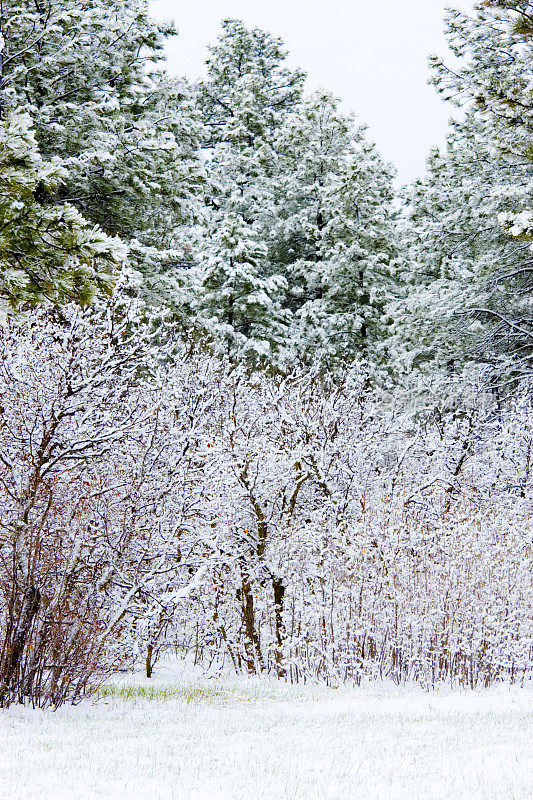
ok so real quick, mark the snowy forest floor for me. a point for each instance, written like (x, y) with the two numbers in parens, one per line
(184, 737)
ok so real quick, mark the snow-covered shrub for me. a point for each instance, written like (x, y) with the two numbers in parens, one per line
(93, 491)
(284, 524)
(353, 541)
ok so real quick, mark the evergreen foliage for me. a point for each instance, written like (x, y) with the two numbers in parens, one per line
(264, 218)
(249, 89)
(47, 252)
(469, 221)
(333, 236)
(297, 180)
(89, 75)
(244, 100)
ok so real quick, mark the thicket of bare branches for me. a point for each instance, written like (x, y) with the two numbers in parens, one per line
(281, 525)
(358, 541)
(91, 492)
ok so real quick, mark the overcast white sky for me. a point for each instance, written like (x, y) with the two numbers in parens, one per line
(371, 53)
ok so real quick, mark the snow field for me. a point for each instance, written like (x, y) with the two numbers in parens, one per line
(260, 740)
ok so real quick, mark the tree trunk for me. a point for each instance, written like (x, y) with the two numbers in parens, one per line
(252, 645)
(279, 594)
(30, 606)
(149, 665)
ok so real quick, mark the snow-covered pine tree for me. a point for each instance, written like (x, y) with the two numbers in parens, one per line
(495, 79)
(246, 96)
(249, 89)
(493, 76)
(238, 302)
(453, 240)
(303, 181)
(473, 213)
(88, 73)
(47, 252)
(333, 235)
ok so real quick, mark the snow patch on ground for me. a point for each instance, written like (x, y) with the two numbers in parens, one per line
(186, 736)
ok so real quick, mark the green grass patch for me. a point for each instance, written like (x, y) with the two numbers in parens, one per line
(190, 693)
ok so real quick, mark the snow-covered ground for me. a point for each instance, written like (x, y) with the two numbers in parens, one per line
(180, 737)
